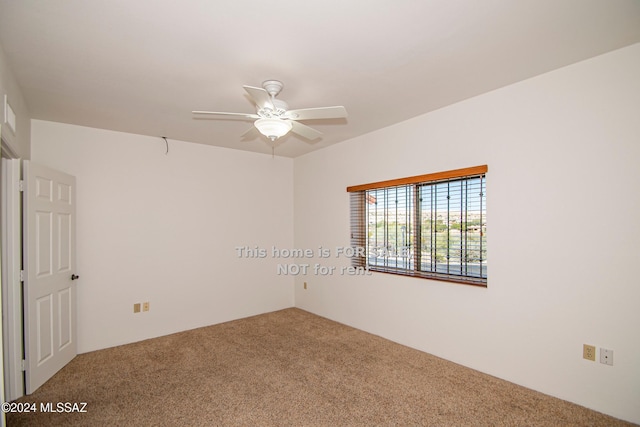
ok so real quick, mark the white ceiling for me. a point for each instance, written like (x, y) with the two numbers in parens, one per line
(142, 66)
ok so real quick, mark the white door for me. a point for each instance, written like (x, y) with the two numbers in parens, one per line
(49, 265)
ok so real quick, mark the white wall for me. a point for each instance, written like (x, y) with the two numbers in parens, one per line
(563, 232)
(19, 139)
(163, 228)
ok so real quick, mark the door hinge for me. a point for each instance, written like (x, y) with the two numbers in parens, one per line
(23, 365)
(21, 185)
(22, 275)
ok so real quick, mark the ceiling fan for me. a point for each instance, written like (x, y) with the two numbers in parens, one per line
(274, 119)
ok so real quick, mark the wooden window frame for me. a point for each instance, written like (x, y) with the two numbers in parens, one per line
(358, 193)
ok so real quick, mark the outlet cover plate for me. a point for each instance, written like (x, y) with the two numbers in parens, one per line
(606, 356)
(589, 352)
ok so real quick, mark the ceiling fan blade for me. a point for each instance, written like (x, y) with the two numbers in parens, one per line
(216, 113)
(336, 112)
(305, 131)
(260, 97)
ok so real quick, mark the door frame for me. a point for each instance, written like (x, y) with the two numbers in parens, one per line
(13, 342)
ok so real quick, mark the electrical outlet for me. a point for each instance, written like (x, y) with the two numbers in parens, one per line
(589, 352)
(136, 307)
(145, 306)
(606, 356)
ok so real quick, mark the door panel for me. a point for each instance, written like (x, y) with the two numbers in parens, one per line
(65, 320)
(44, 316)
(64, 243)
(50, 292)
(43, 240)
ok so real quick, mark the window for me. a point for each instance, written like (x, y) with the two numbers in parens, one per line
(432, 226)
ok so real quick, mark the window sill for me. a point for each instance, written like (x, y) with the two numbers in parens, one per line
(431, 276)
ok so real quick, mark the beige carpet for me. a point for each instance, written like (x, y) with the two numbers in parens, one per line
(288, 368)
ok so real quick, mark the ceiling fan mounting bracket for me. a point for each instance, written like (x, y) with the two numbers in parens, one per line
(273, 87)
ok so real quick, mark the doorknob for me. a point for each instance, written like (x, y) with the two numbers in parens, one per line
(74, 277)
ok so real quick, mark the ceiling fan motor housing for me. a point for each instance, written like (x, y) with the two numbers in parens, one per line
(279, 108)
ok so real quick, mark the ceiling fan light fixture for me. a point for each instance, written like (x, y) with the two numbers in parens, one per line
(273, 128)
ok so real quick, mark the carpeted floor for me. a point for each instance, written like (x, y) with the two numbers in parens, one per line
(287, 368)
